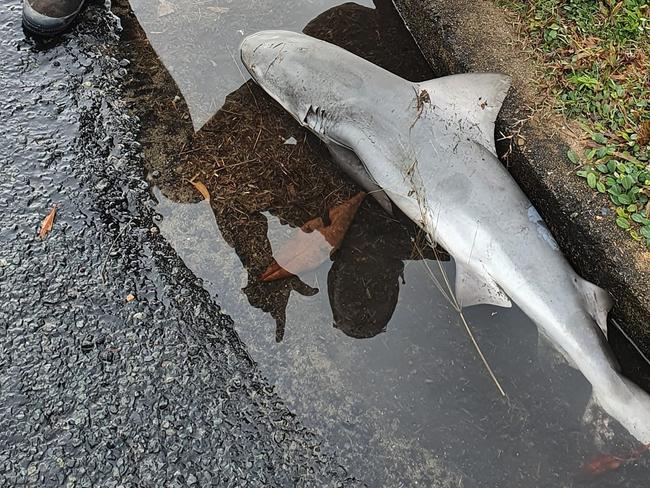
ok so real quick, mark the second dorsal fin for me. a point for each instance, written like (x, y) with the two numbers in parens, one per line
(597, 301)
(475, 97)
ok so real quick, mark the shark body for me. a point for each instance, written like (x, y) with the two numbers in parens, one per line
(430, 147)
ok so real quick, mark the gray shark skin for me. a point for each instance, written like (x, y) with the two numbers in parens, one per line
(430, 147)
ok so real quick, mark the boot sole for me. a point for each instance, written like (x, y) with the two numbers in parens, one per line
(36, 23)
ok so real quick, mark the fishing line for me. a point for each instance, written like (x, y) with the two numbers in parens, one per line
(629, 339)
(454, 304)
(451, 297)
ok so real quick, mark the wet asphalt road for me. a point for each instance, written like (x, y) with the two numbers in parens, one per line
(96, 390)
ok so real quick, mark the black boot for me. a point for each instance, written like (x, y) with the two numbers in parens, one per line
(49, 17)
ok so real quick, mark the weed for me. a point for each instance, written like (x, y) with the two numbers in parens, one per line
(596, 55)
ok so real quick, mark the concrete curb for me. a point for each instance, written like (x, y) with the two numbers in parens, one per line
(472, 35)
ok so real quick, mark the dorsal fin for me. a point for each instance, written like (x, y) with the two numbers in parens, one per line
(475, 97)
(475, 289)
(597, 301)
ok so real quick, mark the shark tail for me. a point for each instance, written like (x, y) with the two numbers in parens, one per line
(626, 402)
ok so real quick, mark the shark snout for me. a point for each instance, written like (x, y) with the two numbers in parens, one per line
(260, 49)
(248, 47)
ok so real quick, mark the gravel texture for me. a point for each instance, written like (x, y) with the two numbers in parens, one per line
(97, 390)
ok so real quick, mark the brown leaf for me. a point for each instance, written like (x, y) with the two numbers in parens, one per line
(202, 189)
(314, 242)
(130, 297)
(643, 136)
(608, 462)
(627, 157)
(602, 464)
(48, 222)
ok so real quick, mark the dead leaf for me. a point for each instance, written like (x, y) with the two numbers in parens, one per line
(130, 298)
(314, 242)
(202, 189)
(602, 464)
(607, 462)
(47, 224)
(643, 136)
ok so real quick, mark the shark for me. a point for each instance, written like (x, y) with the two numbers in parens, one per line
(428, 148)
(197, 41)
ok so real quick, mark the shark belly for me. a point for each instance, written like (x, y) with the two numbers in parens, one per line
(430, 147)
(467, 202)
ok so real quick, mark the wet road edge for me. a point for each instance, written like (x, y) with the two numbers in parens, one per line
(99, 389)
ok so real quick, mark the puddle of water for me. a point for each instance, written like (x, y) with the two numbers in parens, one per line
(198, 41)
(400, 389)
(366, 349)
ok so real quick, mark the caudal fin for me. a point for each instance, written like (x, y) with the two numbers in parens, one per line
(627, 403)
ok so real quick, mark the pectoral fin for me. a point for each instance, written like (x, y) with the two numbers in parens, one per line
(354, 168)
(476, 289)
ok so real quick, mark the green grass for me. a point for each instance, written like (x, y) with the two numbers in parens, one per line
(596, 57)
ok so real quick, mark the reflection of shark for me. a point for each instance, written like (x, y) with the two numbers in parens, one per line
(430, 146)
(197, 41)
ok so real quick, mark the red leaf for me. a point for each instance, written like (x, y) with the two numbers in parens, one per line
(47, 224)
(307, 249)
(607, 462)
(602, 464)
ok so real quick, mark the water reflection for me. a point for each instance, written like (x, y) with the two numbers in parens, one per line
(256, 181)
(364, 276)
(198, 41)
(411, 405)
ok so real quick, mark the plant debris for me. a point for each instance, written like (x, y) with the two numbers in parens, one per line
(47, 224)
(597, 57)
(608, 462)
(202, 189)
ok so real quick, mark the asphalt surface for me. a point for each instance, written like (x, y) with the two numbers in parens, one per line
(97, 390)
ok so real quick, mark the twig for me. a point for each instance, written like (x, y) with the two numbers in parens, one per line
(480, 353)
(257, 140)
(454, 302)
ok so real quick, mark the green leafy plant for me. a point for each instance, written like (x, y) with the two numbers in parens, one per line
(596, 55)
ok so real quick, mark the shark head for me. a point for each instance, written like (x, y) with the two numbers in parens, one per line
(301, 74)
(260, 51)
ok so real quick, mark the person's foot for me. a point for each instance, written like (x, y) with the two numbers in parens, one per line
(49, 17)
